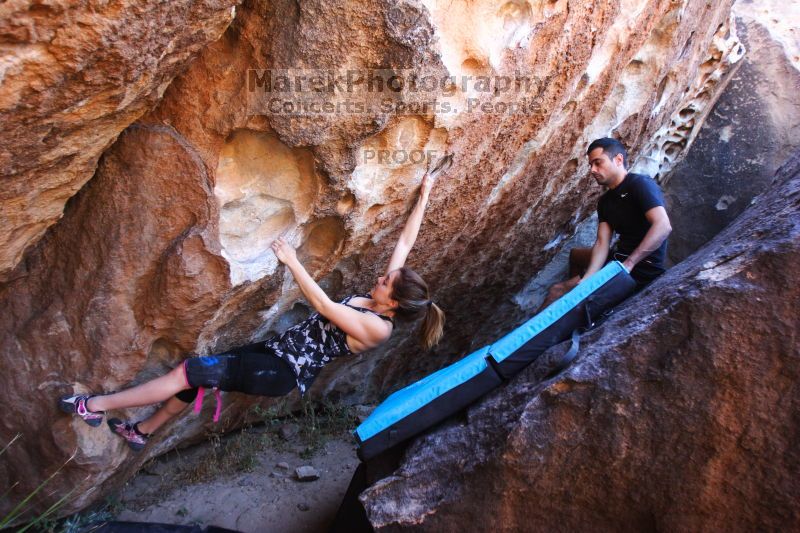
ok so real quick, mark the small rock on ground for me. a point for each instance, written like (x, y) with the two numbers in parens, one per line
(306, 473)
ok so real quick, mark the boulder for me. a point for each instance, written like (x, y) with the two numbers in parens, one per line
(95, 291)
(679, 413)
(752, 129)
(163, 253)
(74, 76)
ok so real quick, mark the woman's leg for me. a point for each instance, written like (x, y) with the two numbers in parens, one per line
(154, 391)
(261, 374)
(265, 374)
(241, 370)
(171, 408)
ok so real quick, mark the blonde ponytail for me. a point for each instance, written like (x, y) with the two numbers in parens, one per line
(432, 328)
(413, 300)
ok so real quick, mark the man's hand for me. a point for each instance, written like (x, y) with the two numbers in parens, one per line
(283, 251)
(628, 266)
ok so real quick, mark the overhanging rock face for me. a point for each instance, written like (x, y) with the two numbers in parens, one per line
(161, 254)
(680, 413)
(73, 77)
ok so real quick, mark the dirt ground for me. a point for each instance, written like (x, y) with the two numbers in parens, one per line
(261, 496)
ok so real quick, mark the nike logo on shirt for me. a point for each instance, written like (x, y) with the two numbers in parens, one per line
(623, 195)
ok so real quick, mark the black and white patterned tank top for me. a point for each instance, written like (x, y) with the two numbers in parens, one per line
(313, 343)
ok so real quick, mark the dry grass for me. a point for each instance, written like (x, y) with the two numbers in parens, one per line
(238, 452)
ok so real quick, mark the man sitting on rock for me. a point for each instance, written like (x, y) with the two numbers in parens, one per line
(633, 208)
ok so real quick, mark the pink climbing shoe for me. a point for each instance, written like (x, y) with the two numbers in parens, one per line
(135, 439)
(76, 405)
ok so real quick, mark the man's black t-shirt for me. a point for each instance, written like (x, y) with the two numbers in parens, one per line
(624, 208)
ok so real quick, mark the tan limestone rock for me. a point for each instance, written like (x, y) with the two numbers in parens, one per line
(72, 77)
(163, 253)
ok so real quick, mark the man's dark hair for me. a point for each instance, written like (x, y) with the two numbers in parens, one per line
(611, 147)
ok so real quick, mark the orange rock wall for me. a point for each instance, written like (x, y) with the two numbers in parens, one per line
(162, 253)
(74, 75)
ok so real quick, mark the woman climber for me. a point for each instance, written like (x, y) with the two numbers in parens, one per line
(292, 359)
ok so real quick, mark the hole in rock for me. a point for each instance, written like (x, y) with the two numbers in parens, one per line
(332, 283)
(703, 95)
(472, 66)
(161, 358)
(164, 351)
(687, 45)
(346, 204)
(514, 14)
(570, 167)
(635, 65)
(661, 88)
(672, 150)
(264, 188)
(324, 238)
(373, 212)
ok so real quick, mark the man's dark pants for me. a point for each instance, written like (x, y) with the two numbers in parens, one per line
(579, 258)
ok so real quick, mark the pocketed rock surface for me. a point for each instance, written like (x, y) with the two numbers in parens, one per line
(679, 413)
(751, 131)
(74, 75)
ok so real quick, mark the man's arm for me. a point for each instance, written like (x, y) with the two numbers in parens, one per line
(599, 249)
(660, 228)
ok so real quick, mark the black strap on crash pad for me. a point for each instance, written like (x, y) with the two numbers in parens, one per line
(575, 345)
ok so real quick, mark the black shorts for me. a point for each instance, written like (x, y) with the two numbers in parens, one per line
(643, 273)
(251, 369)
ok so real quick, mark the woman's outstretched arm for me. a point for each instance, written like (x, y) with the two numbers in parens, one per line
(409, 235)
(364, 327)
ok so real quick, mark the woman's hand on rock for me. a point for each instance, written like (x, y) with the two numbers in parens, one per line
(283, 251)
(427, 184)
